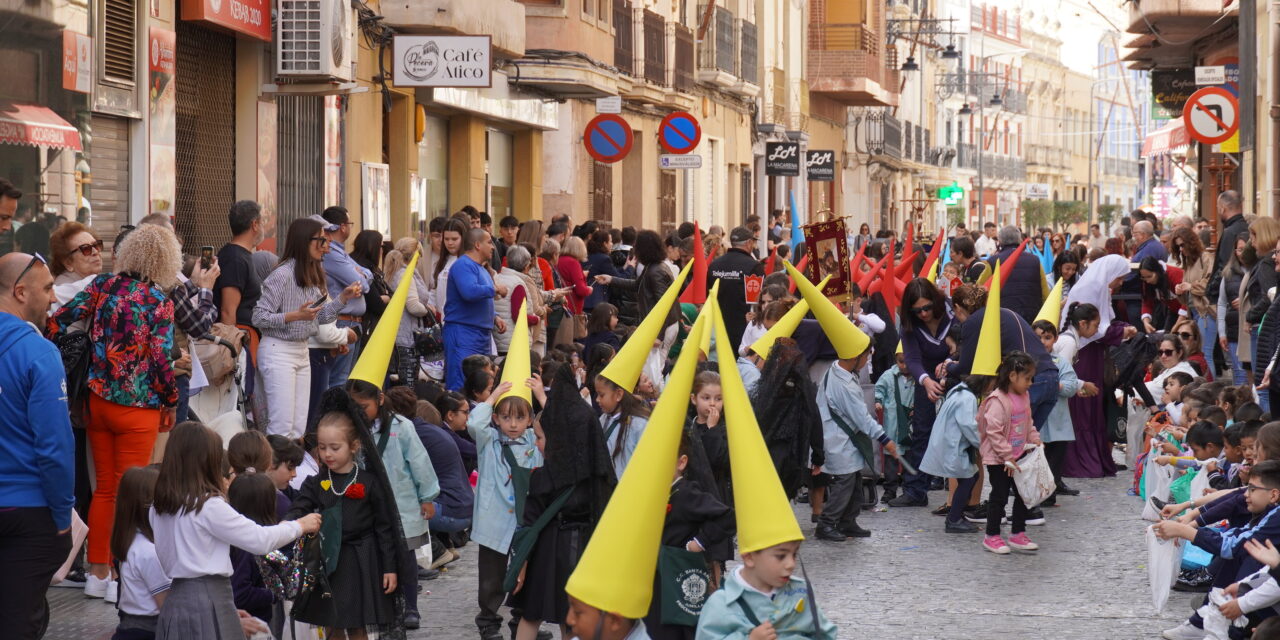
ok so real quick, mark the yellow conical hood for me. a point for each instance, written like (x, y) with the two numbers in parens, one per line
(376, 355)
(763, 511)
(899, 349)
(1052, 309)
(625, 367)
(848, 339)
(515, 369)
(616, 571)
(785, 326)
(987, 358)
(705, 316)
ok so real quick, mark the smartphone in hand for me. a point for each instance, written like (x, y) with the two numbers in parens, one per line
(206, 257)
(320, 302)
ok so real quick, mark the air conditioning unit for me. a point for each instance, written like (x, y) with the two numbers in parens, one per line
(315, 40)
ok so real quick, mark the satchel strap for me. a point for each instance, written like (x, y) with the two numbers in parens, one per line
(746, 611)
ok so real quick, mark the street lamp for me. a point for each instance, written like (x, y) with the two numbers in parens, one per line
(1093, 149)
(965, 110)
(996, 102)
(910, 64)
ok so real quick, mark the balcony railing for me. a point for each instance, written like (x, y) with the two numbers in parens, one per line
(683, 70)
(624, 46)
(655, 48)
(884, 136)
(843, 37)
(966, 156)
(749, 61)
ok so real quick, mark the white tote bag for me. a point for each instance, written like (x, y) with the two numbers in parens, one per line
(1156, 478)
(1164, 559)
(1034, 478)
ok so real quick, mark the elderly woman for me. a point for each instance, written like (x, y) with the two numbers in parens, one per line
(1088, 329)
(75, 258)
(131, 378)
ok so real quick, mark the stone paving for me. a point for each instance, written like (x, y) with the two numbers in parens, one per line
(908, 580)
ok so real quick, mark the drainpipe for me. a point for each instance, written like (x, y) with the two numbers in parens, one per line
(1273, 19)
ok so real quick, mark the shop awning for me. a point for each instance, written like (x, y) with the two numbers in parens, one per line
(37, 126)
(1171, 137)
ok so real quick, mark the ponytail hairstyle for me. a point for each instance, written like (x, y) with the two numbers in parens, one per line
(249, 452)
(475, 384)
(1079, 313)
(631, 406)
(1161, 288)
(1014, 362)
(133, 501)
(449, 402)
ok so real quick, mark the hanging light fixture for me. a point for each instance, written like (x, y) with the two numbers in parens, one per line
(996, 101)
(950, 53)
(910, 64)
(965, 110)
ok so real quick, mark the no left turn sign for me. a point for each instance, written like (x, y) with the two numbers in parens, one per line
(1212, 115)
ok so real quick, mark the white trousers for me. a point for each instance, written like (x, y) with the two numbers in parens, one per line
(286, 377)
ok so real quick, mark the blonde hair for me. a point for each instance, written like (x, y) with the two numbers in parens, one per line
(393, 262)
(152, 252)
(1264, 233)
(574, 247)
(407, 247)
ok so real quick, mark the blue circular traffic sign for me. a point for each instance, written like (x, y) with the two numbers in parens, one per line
(679, 132)
(608, 138)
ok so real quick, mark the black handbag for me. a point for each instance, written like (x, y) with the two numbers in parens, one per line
(428, 340)
(76, 349)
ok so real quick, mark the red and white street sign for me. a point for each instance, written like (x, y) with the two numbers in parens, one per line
(1212, 115)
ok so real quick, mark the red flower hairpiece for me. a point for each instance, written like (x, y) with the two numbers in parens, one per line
(355, 491)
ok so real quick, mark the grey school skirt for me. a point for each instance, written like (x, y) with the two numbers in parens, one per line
(199, 609)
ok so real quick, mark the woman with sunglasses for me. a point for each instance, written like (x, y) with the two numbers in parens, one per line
(75, 258)
(926, 319)
(1187, 331)
(1187, 252)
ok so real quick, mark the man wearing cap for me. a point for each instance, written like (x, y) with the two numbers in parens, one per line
(340, 271)
(732, 268)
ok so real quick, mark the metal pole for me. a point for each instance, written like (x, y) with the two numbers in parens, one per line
(1089, 179)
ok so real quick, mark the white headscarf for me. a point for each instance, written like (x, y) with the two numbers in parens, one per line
(1094, 287)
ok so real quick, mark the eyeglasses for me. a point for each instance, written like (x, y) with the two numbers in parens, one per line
(922, 308)
(1254, 487)
(1185, 335)
(89, 248)
(321, 240)
(1167, 352)
(35, 257)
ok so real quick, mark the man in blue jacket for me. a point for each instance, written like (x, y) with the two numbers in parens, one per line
(468, 306)
(1023, 293)
(36, 448)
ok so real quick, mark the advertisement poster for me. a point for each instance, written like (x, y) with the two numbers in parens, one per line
(1170, 89)
(161, 103)
(375, 205)
(332, 151)
(77, 62)
(267, 170)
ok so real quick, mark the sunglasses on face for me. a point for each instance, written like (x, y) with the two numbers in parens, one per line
(922, 309)
(90, 248)
(1185, 335)
(1167, 352)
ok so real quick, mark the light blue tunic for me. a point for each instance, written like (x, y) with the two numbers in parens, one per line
(788, 610)
(954, 435)
(840, 394)
(1059, 427)
(494, 519)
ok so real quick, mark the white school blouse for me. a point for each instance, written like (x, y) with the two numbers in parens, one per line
(141, 579)
(197, 544)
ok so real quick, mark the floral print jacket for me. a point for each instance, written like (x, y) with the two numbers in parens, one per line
(132, 334)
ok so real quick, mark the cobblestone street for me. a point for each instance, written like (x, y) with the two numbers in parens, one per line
(908, 581)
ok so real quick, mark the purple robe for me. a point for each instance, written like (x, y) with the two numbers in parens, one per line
(1089, 455)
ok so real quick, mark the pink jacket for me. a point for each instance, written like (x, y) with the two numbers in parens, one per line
(997, 431)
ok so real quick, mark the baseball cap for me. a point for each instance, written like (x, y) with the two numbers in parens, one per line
(328, 226)
(740, 235)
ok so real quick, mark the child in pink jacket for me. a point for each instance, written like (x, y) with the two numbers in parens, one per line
(1005, 429)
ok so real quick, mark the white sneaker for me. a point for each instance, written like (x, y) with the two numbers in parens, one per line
(95, 587)
(1184, 631)
(113, 591)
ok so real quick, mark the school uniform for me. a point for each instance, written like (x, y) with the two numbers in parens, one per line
(844, 416)
(367, 549)
(692, 514)
(749, 373)
(493, 521)
(1233, 562)
(732, 612)
(141, 580)
(194, 549)
(1058, 430)
(620, 451)
(953, 446)
(896, 392)
(413, 482)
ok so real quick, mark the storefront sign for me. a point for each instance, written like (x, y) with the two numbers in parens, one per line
(267, 172)
(443, 61)
(162, 126)
(249, 17)
(782, 159)
(1170, 89)
(821, 164)
(1037, 191)
(1213, 75)
(77, 62)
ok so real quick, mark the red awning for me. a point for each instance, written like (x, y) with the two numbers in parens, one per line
(37, 126)
(1170, 137)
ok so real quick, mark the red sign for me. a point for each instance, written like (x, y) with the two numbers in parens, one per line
(1212, 115)
(608, 138)
(249, 17)
(162, 51)
(679, 132)
(77, 61)
(752, 286)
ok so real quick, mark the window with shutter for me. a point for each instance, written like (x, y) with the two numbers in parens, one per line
(119, 41)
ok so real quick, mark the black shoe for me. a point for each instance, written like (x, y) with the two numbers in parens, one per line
(543, 634)
(976, 513)
(936, 485)
(905, 500)
(962, 526)
(827, 533)
(855, 531)
(491, 634)
(1051, 501)
(802, 496)
(1194, 580)
(1064, 490)
(1035, 517)
(942, 510)
(1158, 503)
(813, 517)
(428, 574)
(888, 495)
(412, 620)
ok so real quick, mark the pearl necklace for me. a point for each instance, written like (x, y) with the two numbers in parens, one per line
(333, 488)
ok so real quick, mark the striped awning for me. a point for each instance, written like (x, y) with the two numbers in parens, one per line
(36, 126)
(1171, 137)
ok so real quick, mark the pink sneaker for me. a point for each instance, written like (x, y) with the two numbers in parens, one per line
(995, 544)
(1022, 543)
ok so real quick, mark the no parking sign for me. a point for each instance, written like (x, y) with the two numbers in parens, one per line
(679, 132)
(608, 138)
